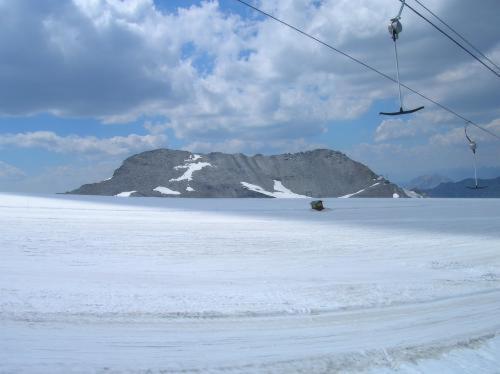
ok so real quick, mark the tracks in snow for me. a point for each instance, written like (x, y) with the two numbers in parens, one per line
(243, 343)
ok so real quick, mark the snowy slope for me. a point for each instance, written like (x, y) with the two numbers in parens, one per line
(260, 285)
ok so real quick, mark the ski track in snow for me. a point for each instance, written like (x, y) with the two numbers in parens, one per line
(97, 284)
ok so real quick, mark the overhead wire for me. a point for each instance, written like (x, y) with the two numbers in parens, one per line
(458, 34)
(451, 38)
(358, 61)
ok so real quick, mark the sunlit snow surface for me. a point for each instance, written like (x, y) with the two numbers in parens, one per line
(151, 285)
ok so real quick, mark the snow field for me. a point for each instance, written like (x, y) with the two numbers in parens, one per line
(253, 285)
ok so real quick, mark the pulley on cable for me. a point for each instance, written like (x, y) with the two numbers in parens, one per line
(473, 147)
(395, 28)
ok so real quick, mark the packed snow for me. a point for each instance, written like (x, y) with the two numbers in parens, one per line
(125, 194)
(358, 192)
(166, 191)
(151, 285)
(191, 168)
(280, 191)
(190, 189)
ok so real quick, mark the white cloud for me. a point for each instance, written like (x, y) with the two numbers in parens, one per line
(62, 178)
(394, 129)
(223, 82)
(457, 135)
(431, 150)
(9, 172)
(118, 145)
(216, 75)
(156, 128)
(421, 124)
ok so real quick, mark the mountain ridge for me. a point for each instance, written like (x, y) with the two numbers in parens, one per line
(461, 189)
(176, 173)
(427, 182)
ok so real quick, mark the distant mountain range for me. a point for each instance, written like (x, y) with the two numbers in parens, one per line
(173, 173)
(461, 189)
(427, 182)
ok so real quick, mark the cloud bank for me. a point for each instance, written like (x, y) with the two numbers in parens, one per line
(73, 144)
(220, 79)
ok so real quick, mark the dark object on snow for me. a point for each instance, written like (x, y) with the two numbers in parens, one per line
(317, 205)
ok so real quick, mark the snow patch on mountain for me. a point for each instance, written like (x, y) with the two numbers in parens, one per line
(190, 189)
(125, 194)
(412, 194)
(193, 157)
(191, 168)
(360, 191)
(166, 191)
(280, 191)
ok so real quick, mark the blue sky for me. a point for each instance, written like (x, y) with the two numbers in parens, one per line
(89, 83)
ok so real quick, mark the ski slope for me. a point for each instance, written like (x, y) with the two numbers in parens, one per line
(151, 285)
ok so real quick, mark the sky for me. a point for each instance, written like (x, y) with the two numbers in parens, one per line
(85, 84)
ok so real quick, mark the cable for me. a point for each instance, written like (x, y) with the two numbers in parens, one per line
(451, 38)
(458, 34)
(368, 67)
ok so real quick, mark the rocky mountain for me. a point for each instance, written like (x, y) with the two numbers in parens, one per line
(172, 173)
(461, 189)
(427, 182)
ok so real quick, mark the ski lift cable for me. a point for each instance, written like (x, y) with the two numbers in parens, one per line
(451, 38)
(458, 34)
(358, 61)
